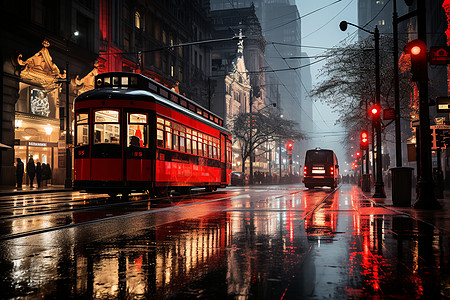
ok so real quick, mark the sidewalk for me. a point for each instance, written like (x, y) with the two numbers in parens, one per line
(439, 218)
(9, 191)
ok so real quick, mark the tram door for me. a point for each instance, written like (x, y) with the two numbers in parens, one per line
(223, 157)
(137, 163)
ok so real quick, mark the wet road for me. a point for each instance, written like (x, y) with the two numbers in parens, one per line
(259, 243)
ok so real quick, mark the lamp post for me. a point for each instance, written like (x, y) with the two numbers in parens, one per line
(379, 185)
(68, 181)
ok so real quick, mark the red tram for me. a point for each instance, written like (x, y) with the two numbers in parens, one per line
(134, 134)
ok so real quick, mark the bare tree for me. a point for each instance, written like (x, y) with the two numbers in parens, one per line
(350, 85)
(252, 130)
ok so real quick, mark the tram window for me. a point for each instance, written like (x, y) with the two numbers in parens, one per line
(205, 114)
(175, 142)
(115, 81)
(152, 87)
(199, 110)
(133, 81)
(168, 140)
(174, 98)
(137, 130)
(191, 107)
(210, 151)
(107, 81)
(106, 127)
(82, 129)
(188, 145)
(214, 152)
(183, 103)
(194, 147)
(124, 81)
(182, 144)
(205, 150)
(160, 138)
(164, 93)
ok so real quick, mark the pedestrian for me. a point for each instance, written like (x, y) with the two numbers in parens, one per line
(19, 173)
(31, 170)
(48, 172)
(38, 174)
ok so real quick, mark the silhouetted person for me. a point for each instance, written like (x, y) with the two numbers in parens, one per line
(38, 174)
(31, 170)
(19, 173)
(47, 171)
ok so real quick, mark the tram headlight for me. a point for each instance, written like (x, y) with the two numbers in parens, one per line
(99, 81)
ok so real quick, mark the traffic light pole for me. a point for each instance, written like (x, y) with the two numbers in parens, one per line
(398, 133)
(425, 198)
(379, 185)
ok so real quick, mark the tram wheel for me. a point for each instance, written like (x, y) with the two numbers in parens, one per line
(162, 191)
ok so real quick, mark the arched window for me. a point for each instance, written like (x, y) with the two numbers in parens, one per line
(137, 20)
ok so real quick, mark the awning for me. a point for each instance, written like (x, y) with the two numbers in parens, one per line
(4, 147)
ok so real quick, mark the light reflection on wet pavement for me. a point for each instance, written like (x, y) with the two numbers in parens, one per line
(271, 247)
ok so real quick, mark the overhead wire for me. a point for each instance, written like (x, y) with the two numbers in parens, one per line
(296, 19)
(294, 99)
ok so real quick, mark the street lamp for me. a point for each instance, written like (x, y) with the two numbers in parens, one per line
(68, 181)
(379, 185)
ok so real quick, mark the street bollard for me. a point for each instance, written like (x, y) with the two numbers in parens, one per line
(366, 183)
(401, 186)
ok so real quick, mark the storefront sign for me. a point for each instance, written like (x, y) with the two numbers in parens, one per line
(35, 144)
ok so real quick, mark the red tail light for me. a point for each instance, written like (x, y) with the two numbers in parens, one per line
(331, 170)
(305, 170)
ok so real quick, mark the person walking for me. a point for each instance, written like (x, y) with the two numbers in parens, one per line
(38, 174)
(48, 173)
(19, 173)
(31, 170)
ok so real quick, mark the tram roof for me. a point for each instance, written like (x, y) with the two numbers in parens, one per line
(137, 92)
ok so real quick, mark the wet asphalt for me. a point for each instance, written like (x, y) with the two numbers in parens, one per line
(244, 243)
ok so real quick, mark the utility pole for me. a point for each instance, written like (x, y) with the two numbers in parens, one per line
(425, 198)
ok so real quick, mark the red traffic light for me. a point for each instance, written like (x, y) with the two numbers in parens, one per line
(289, 145)
(375, 112)
(358, 154)
(417, 49)
(364, 141)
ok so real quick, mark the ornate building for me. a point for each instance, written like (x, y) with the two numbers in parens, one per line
(55, 48)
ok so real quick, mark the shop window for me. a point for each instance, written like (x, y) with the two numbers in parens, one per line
(106, 127)
(137, 130)
(82, 129)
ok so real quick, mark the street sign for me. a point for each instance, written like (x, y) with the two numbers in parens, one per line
(440, 55)
(388, 114)
(442, 127)
(443, 104)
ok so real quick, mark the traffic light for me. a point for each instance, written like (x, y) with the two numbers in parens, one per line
(375, 112)
(289, 147)
(417, 49)
(364, 141)
(358, 154)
